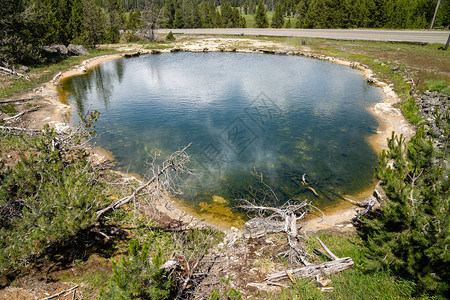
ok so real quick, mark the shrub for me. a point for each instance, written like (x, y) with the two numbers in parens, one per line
(138, 277)
(170, 36)
(47, 197)
(438, 86)
(410, 237)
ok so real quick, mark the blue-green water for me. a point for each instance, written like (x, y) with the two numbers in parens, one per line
(282, 116)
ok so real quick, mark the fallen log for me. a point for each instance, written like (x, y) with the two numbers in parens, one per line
(19, 100)
(20, 129)
(12, 72)
(326, 269)
(56, 78)
(60, 293)
(21, 114)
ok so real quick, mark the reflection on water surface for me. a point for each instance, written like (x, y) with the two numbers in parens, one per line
(280, 116)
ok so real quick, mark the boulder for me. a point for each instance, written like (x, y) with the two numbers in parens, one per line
(24, 69)
(50, 49)
(56, 49)
(77, 50)
(61, 49)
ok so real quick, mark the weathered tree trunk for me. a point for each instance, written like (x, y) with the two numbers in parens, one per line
(12, 72)
(326, 269)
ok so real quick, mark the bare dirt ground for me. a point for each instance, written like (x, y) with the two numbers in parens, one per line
(239, 261)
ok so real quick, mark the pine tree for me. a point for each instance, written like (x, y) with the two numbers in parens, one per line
(138, 277)
(179, 20)
(277, 19)
(411, 235)
(288, 23)
(227, 15)
(261, 16)
(302, 9)
(169, 14)
(94, 23)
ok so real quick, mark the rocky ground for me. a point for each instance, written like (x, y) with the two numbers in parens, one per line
(432, 106)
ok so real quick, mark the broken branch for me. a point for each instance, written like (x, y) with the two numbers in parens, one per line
(326, 268)
(12, 72)
(60, 293)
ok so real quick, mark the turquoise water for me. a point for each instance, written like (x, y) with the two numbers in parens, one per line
(281, 116)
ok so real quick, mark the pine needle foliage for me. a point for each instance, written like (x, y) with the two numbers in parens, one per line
(261, 16)
(411, 234)
(47, 197)
(139, 277)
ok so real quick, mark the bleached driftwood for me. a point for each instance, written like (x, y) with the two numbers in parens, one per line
(326, 269)
(60, 293)
(282, 219)
(56, 78)
(21, 114)
(19, 129)
(12, 72)
(19, 100)
(175, 162)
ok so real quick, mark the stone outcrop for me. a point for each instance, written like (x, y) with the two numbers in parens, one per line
(429, 104)
(56, 50)
(77, 50)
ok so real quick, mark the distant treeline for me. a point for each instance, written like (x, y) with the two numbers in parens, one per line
(27, 24)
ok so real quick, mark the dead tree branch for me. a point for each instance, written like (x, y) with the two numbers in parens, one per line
(326, 268)
(21, 114)
(13, 72)
(334, 257)
(13, 130)
(20, 100)
(60, 293)
(191, 256)
(283, 219)
(176, 162)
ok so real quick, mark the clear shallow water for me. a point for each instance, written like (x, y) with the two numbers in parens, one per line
(282, 116)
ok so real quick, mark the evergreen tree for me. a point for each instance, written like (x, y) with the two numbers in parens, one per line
(169, 14)
(277, 19)
(113, 12)
(179, 20)
(75, 25)
(411, 235)
(302, 9)
(21, 32)
(261, 16)
(227, 15)
(242, 22)
(316, 16)
(139, 277)
(94, 23)
(288, 23)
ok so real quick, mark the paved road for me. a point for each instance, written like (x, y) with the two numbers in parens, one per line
(340, 34)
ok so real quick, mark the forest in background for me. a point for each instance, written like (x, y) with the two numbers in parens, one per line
(27, 25)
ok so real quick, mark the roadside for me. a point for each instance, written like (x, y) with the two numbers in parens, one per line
(417, 36)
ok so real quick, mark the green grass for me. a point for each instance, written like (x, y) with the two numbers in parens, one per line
(438, 86)
(157, 45)
(8, 109)
(44, 73)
